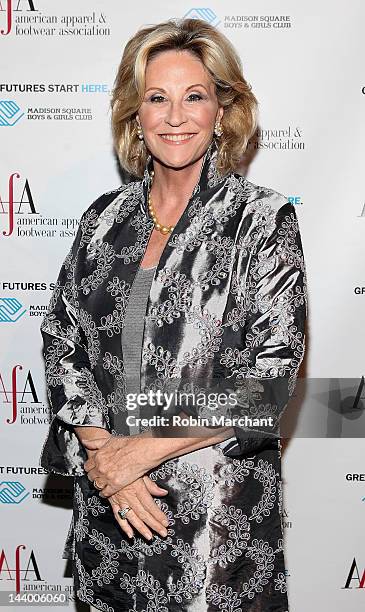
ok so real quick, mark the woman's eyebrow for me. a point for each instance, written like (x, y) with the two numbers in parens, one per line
(190, 86)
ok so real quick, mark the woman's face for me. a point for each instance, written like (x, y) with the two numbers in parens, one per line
(179, 99)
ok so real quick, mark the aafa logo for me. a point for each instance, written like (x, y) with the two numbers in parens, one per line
(354, 580)
(8, 7)
(7, 206)
(21, 571)
(10, 397)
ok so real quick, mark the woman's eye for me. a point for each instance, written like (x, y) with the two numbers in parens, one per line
(153, 98)
(158, 98)
(196, 96)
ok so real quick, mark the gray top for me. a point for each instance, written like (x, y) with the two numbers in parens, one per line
(132, 332)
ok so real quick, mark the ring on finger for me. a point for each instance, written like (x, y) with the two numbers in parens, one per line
(123, 511)
(98, 487)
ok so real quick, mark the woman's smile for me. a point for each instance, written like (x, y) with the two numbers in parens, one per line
(176, 139)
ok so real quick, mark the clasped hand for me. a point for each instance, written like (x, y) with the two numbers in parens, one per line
(119, 461)
(119, 464)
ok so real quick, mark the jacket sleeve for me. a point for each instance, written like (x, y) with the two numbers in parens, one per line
(73, 395)
(273, 339)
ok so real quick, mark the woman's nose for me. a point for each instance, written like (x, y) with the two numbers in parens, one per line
(175, 115)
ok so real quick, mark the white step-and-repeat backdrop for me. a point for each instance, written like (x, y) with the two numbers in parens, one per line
(305, 62)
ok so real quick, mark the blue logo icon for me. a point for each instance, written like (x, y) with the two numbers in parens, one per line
(10, 113)
(10, 310)
(12, 492)
(203, 13)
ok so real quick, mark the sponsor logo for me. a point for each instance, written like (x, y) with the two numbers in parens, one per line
(19, 396)
(18, 567)
(355, 578)
(12, 492)
(207, 14)
(27, 18)
(241, 21)
(18, 211)
(8, 207)
(10, 310)
(10, 113)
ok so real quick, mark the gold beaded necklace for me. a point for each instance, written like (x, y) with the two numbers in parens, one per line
(164, 229)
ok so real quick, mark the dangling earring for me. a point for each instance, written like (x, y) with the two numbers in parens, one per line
(139, 131)
(218, 130)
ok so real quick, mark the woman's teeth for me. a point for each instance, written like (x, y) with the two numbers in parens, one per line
(176, 137)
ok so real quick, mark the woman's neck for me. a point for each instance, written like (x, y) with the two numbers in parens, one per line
(171, 189)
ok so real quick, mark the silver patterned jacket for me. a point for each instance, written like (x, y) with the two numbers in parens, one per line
(228, 299)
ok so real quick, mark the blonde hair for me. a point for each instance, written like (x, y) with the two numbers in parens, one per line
(220, 59)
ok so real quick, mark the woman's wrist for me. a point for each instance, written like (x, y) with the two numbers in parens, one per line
(91, 432)
(165, 448)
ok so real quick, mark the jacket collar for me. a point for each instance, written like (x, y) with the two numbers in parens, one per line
(209, 176)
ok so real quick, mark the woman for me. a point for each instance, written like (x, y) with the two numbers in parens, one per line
(206, 270)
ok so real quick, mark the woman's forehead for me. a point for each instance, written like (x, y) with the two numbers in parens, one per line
(182, 66)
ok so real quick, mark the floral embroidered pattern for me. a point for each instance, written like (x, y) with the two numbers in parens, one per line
(113, 323)
(173, 570)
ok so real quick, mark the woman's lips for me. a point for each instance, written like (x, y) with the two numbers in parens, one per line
(177, 141)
